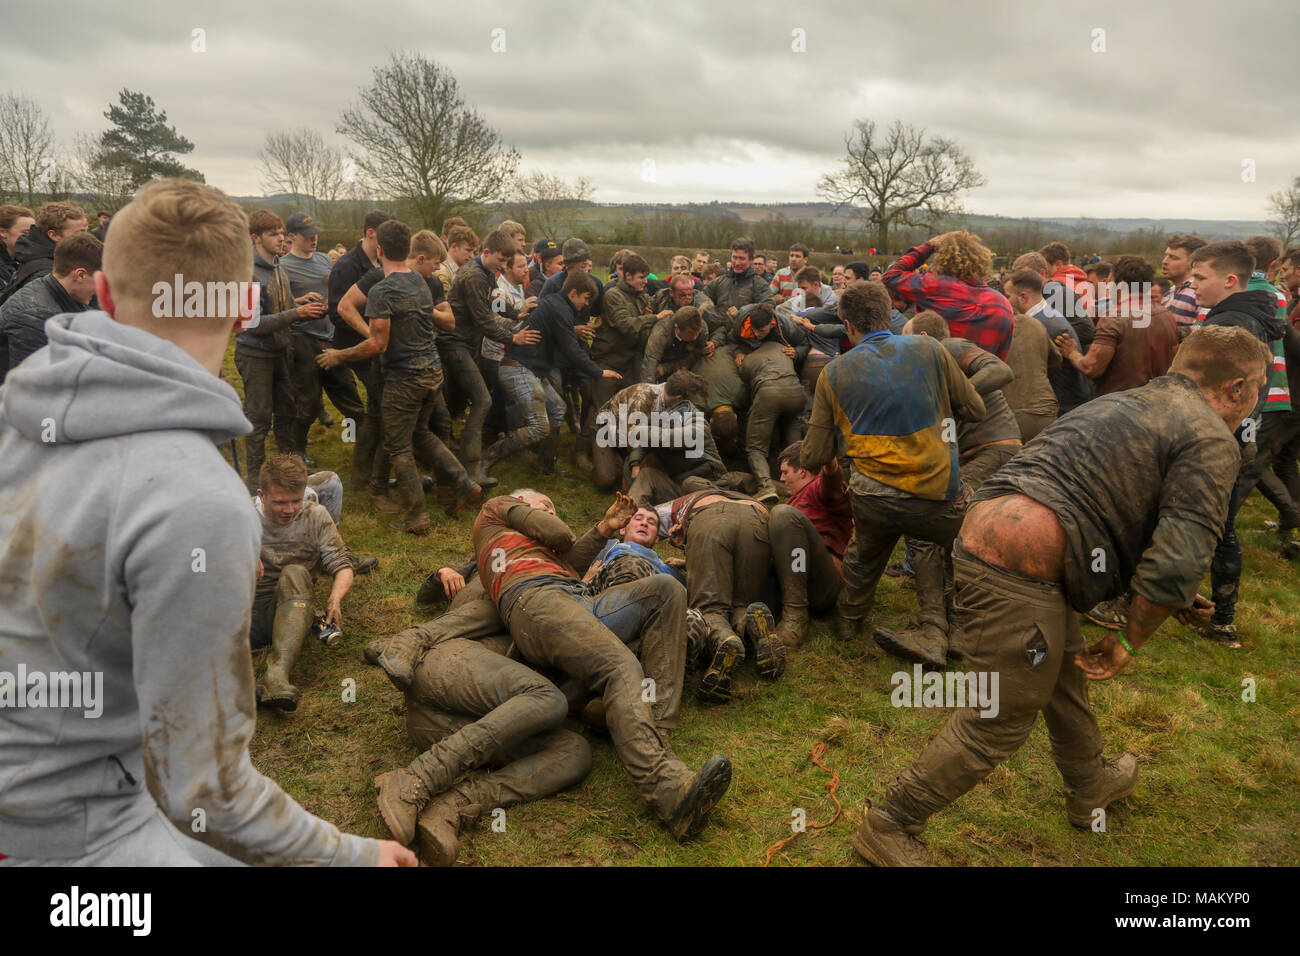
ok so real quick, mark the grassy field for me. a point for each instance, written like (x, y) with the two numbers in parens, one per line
(1218, 774)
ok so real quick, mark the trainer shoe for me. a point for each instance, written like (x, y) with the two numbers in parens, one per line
(1118, 779)
(715, 685)
(1290, 544)
(899, 570)
(1225, 635)
(769, 652)
(1112, 615)
(883, 841)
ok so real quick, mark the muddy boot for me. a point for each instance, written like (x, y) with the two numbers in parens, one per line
(372, 651)
(293, 620)
(760, 631)
(700, 794)
(765, 493)
(431, 591)
(847, 624)
(1290, 549)
(1118, 779)
(546, 455)
(1225, 635)
(1112, 615)
(466, 491)
(715, 685)
(793, 629)
(437, 829)
(385, 504)
(883, 841)
(491, 457)
(416, 518)
(400, 656)
(919, 641)
(582, 460)
(402, 795)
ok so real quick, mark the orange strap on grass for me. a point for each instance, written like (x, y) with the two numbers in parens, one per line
(818, 751)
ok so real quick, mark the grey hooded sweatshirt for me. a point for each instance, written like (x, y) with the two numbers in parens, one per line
(128, 549)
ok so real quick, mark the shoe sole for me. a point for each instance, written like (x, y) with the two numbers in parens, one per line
(452, 509)
(708, 788)
(714, 688)
(282, 704)
(891, 646)
(431, 852)
(728, 656)
(769, 652)
(867, 852)
(1086, 822)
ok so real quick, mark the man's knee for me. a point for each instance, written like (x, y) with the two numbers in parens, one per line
(295, 582)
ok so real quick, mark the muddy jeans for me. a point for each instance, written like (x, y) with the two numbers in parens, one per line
(878, 522)
(308, 380)
(806, 569)
(553, 625)
(463, 370)
(1031, 423)
(773, 405)
(368, 457)
(470, 706)
(409, 399)
(727, 559)
(268, 395)
(1024, 632)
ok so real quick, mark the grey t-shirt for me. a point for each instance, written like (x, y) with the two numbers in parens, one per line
(310, 275)
(405, 300)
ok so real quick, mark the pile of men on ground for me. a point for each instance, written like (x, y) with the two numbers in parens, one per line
(1046, 444)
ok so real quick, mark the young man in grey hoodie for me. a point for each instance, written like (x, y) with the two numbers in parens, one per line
(130, 551)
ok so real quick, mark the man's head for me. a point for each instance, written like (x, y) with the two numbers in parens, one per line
(303, 234)
(427, 252)
(1031, 260)
(1177, 261)
(280, 485)
(712, 270)
(1288, 272)
(76, 260)
(1132, 276)
(875, 274)
(616, 262)
(760, 263)
(1220, 269)
(461, 243)
(177, 227)
(793, 475)
(1160, 286)
(497, 247)
(856, 272)
(450, 223)
(809, 280)
(643, 528)
(516, 232)
(684, 385)
(581, 288)
(798, 256)
(534, 499)
(267, 230)
(543, 250)
(58, 220)
(374, 219)
(103, 216)
(636, 271)
(550, 259)
(864, 308)
(576, 254)
(394, 241)
(1229, 365)
(688, 323)
(1097, 272)
(927, 323)
(516, 268)
(742, 254)
(761, 320)
(699, 261)
(682, 289)
(1265, 250)
(14, 222)
(961, 255)
(1056, 254)
(1024, 289)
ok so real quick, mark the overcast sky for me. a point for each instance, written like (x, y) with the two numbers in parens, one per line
(1158, 125)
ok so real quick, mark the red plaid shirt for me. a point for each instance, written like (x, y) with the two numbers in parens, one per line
(972, 310)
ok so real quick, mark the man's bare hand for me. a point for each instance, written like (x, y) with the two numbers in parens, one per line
(1201, 609)
(710, 347)
(452, 581)
(664, 314)
(309, 297)
(334, 613)
(329, 358)
(733, 310)
(788, 350)
(261, 569)
(585, 332)
(676, 562)
(1104, 659)
(527, 337)
(310, 310)
(618, 514)
(610, 373)
(392, 853)
(1064, 344)
(740, 360)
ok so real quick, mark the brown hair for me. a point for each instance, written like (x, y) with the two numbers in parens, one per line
(1265, 249)
(688, 385)
(1099, 269)
(635, 265)
(450, 223)
(426, 243)
(499, 242)
(286, 472)
(682, 278)
(1026, 280)
(457, 235)
(53, 215)
(1186, 240)
(931, 323)
(374, 219)
(687, 317)
(744, 244)
(512, 229)
(865, 305)
(1215, 354)
(263, 221)
(809, 274)
(1232, 257)
(800, 247)
(962, 256)
(790, 454)
(580, 281)
(11, 214)
(79, 251)
(1030, 260)
(1055, 252)
(1130, 269)
(394, 238)
(175, 227)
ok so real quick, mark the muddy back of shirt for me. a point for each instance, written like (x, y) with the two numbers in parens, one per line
(405, 300)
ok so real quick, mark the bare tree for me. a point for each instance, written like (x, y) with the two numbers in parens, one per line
(899, 178)
(299, 162)
(1284, 208)
(91, 170)
(417, 139)
(548, 206)
(27, 161)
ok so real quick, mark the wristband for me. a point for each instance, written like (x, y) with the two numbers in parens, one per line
(1125, 644)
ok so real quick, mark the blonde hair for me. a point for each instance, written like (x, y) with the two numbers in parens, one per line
(512, 228)
(426, 241)
(175, 227)
(962, 256)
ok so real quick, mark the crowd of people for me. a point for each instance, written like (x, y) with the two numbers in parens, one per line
(1050, 442)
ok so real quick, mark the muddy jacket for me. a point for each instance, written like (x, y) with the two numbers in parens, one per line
(271, 333)
(311, 540)
(767, 364)
(130, 550)
(730, 289)
(471, 303)
(712, 320)
(741, 335)
(625, 322)
(515, 543)
(665, 348)
(33, 257)
(988, 374)
(22, 319)
(682, 441)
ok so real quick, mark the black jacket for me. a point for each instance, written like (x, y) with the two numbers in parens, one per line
(1255, 311)
(559, 348)
(33, 256)
(22, 319)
